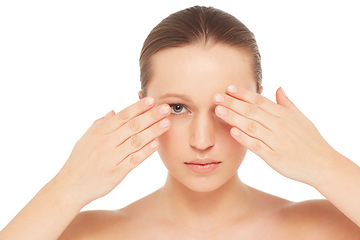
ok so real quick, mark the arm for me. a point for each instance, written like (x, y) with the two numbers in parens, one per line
(290, 143)
(46, 216)
(100, 160)
(340, 184)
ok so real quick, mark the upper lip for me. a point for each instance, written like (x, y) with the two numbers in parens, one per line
(202, 161)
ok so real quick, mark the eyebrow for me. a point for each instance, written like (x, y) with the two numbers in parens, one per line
(182, 96)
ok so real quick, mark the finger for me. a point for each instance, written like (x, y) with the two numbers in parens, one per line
(138, 141)
(248, 126)
(283, 100)
(99, 122)
(139, 123)
(134, 159)
(253, 144)
(128, 113)
(248, 110)
(256, 99)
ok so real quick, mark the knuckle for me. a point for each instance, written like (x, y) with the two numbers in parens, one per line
(256, 146)
(259, 100)
(252, 126)
(251, 110)
(133, 160)
(135, 141)
(134, 124)
(124, 114)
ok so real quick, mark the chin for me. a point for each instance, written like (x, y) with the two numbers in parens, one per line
(205, 184)
(203, 188)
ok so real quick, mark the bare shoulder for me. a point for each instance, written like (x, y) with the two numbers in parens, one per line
(96, 224)
(106, 224)
(318, 219)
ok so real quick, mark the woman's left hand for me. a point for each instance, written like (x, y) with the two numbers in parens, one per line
(278, 133)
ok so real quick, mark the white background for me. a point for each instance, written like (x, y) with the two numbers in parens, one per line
(63, 64)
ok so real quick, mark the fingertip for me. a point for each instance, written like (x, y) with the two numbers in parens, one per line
(235, 132)
(283, 92)
(109, 114)
(221, 111)
(154, 145)
(218, 98)
(164, 123)
(232, 89)
(149, 101)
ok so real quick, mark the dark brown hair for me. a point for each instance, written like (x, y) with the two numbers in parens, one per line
(198, 25)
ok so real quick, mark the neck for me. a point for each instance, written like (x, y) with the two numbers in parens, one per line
(229, 201)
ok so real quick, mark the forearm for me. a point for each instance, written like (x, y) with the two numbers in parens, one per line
(45, 217)
(340, 184)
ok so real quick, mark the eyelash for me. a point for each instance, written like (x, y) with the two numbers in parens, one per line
(172, 106)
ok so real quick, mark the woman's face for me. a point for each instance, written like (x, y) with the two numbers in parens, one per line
(187, 78)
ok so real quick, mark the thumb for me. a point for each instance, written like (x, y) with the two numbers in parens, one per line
(104, 118)
(283, 100)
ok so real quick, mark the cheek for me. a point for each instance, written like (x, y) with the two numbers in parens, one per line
(231, 149)
(224, 137)
(170, 141)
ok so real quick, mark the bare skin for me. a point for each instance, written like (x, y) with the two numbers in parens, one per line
(192, 205)
(217, 206)
(266, 217)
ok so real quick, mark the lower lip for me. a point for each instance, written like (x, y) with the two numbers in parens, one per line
(199, 168)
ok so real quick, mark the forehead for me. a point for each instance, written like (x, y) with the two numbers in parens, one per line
(197, 70)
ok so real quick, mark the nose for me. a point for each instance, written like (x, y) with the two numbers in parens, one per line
(202, 132)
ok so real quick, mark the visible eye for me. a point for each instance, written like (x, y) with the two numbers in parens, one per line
(178, 109)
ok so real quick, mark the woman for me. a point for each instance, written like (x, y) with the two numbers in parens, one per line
(201, 108)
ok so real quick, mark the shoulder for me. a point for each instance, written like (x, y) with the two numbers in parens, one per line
(318, 219)
(96, 224)
(106, 224)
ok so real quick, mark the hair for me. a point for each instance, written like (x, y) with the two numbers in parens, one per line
(198, 25)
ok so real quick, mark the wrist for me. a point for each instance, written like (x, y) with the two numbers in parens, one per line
(65, 193)
(334, 168)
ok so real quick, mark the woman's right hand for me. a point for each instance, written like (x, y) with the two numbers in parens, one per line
(111, 148)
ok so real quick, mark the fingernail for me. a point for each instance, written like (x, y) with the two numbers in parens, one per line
(283, 91)
(219, 98)
(232, 89)
(153, 144)
(149, 101)
(221, 110)
(234, 131)
(165, 109)
(164, 123)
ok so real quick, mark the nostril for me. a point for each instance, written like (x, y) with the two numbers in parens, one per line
(202, 143)
(202, 131)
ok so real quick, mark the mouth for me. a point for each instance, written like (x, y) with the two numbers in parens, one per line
(202, 161)
(205, 165)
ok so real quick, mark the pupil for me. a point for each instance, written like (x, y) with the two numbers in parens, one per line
(177, 108)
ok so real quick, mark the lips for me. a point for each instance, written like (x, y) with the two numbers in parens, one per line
(203, 165)
(203, 161)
